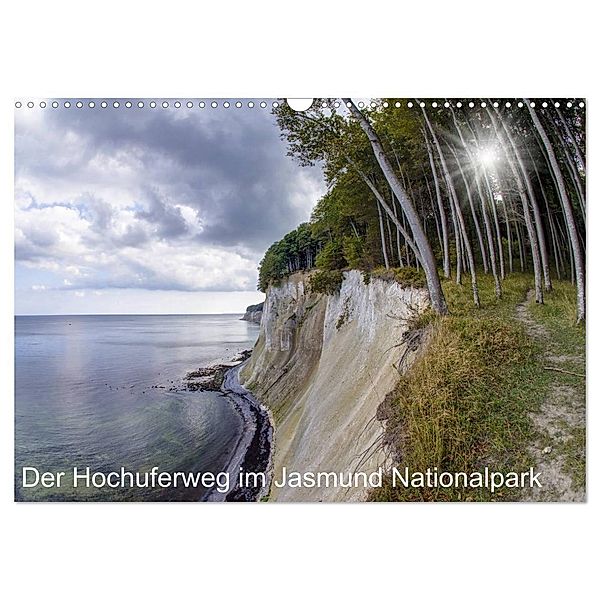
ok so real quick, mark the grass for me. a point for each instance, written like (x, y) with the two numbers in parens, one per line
(559, 315)
(465, 402)
(573, 452)
(567, 341)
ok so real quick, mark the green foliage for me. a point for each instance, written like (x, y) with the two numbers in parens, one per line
(405, 276)
(331, 256)
(272, 267)
(353, 250)
(295, 252)
(347, 230)
(326, 282)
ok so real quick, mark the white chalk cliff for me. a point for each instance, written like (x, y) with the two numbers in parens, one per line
(322, 364)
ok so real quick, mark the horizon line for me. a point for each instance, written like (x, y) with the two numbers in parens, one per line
(126, 314)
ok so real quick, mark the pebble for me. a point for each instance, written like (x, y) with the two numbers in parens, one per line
(547, 450)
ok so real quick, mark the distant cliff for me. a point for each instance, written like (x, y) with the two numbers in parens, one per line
(322, 364)
(254, 313)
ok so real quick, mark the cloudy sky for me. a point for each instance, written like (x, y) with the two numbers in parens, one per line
(129, 210)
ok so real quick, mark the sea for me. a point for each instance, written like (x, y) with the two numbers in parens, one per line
(108, 391)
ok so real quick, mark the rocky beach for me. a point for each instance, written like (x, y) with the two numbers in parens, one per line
(253, 451)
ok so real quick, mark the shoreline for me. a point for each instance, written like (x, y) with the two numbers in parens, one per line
(254, 450)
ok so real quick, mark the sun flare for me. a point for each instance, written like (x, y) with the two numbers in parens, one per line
(487, 157)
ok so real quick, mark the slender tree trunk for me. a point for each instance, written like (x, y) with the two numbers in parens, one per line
(508, 236)
(571, 137)
(434, 212)
(389, 230)
(382, 234)
(442, 211)
(539, 227)
(406, 248)
(486, 221)
(521, 248)
(557, 260)
(568, 211)
(490, 241)
(382, 201)
(575, 178)
(469, 154)
(572, 264)
(473, 213)
(458, 219)
(531, 233)
(496, 224)
(398, 244)
(457, 246)
(436, 294)
(450, 190)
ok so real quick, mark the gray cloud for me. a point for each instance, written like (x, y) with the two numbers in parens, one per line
(167, 218)
(155, 198)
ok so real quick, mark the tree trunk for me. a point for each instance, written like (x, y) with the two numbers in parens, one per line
(508, 236)
(531, 233)
(484, 258)
(557, 260)
(496, 225)
(460, 228)
(382, 235)
(442, 211)
(521, 248)
(436, 294)
(571, 137)
(398, 245)
(486, 221)
(389, 230)
(381, 200)
(539, 227)
(434, 212)
(575, 178)
(406, 248)
(568, 212)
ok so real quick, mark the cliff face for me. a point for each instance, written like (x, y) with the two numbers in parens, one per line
(253, 313)
(322, 364)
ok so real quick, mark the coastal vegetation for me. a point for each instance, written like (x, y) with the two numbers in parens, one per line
(483, 204)
(450, 189)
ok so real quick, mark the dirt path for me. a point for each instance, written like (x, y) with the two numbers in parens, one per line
(560, 422)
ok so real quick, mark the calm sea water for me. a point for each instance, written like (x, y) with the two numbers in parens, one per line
(96, 391)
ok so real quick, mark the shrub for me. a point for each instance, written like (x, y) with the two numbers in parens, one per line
(406, 276)
(326, 282)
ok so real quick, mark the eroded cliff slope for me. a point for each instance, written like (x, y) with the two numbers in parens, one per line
(323, 364)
